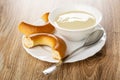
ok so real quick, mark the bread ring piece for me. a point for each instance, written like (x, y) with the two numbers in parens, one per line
(28, 29)
(45, 16)
(57, 44)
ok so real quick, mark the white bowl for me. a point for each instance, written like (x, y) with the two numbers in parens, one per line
(79, 34)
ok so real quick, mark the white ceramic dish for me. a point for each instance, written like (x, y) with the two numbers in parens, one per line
(44, 53)
(73, 34)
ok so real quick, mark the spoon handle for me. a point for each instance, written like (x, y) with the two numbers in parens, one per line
(55, 66)
(52, 68)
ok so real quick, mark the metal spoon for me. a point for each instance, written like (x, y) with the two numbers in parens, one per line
(91, 39)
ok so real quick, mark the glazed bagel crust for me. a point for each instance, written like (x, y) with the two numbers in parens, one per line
(57, 44)
(45, 16)
(28, 29)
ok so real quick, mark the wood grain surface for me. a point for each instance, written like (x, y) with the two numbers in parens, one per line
(16, 64)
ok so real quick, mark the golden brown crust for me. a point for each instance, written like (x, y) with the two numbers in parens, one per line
(45, 16)
(28, 29)
(57, 44)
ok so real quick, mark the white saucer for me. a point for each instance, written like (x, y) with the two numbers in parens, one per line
(44, 52)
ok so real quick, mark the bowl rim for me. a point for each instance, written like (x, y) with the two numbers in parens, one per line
(84, 29)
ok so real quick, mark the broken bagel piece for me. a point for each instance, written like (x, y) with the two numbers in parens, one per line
(44, 17)
(28, 29)
(57, 44)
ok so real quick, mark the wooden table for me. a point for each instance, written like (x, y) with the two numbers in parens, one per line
(16, 64)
